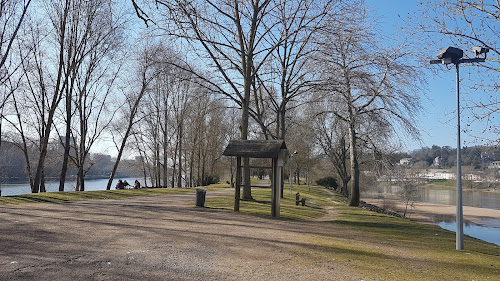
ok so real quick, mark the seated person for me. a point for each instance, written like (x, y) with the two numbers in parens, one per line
(120, 185)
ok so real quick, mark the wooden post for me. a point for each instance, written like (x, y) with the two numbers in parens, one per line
(276, 188)
(237, 186)
(273, 188)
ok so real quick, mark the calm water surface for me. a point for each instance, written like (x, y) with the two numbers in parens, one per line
(443, 196)
(488, 234)
(489, 230)
(53, 186)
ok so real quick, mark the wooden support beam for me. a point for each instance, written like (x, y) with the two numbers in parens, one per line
(238, 184)
(260, 167)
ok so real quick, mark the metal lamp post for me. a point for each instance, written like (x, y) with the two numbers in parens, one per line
(454, 55)
(290, 176)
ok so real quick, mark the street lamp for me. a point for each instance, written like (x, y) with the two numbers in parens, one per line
(290, 176)
(454, 55)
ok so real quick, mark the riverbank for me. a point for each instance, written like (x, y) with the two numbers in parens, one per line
(430, 213)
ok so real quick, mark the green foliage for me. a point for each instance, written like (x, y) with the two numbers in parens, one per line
(471, 156)
(329, 182)
(210, 179)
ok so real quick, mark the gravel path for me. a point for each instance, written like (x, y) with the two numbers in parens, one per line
(157, 238)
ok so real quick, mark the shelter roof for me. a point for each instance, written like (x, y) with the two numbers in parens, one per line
(254, 148)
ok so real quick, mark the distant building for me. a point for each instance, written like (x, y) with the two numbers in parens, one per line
(436, 162)
(405, 161)
(494, 165)
(96, 157)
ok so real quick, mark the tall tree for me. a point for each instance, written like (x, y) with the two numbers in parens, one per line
(92, 50)
(288, 76)
(149, 67)
(367, 86)
(235, 44)
(47, 89)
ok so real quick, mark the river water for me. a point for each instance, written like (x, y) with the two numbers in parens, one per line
(489, 230)
(53, 186)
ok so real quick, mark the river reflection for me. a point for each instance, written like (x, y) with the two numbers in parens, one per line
(488, 234)
(442, 196)
(486, 229)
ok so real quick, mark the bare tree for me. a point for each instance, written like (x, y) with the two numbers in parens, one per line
(235, 44)
(147, 71)
(12, 15)
(367, 86)
(46, 91)
(332, 138)
(95, 39)
(288, 75)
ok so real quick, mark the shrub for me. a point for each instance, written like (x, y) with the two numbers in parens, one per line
(210, 179)
(328, 182)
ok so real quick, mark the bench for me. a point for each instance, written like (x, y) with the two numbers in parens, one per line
(299, 200)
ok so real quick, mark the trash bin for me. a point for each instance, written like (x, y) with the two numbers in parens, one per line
(200, 197)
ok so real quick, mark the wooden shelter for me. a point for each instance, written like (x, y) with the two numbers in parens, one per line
(273, 149)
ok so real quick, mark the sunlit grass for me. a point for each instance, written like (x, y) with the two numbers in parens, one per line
(69, 196)
(261, 205)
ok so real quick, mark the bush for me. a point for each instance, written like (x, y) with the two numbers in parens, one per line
(328, 182)
(210, 179)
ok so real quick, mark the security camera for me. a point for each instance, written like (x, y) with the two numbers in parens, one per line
(480, 50)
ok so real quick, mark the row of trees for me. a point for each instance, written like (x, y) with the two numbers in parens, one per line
(478, 157)
(314, 73)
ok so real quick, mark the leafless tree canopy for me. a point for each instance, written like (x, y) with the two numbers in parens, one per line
(173, 92)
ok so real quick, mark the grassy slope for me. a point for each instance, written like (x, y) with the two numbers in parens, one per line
(55, 197)
(377, 246)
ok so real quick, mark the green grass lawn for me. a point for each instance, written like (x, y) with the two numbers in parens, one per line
(69, 196)
(261, 205)
(380, 246)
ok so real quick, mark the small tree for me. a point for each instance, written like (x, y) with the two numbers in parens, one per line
(328, 182)
(408, 184)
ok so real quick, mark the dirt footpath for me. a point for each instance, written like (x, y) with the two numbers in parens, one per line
(155, 238)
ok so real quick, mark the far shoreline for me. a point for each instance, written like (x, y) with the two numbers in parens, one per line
(428, 212)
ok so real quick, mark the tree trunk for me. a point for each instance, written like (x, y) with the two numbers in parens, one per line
(42, 181)
(354, 200)
(133, 111)
(247, 189)
(67, 139)
(174, 163)
(179, 176)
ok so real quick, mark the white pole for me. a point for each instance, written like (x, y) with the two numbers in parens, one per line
(460, 219)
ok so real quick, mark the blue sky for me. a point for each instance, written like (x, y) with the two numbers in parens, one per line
(438, 123)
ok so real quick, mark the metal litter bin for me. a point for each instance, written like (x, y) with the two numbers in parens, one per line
(200, 197)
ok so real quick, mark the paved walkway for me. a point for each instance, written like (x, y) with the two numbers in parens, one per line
(156, 238)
